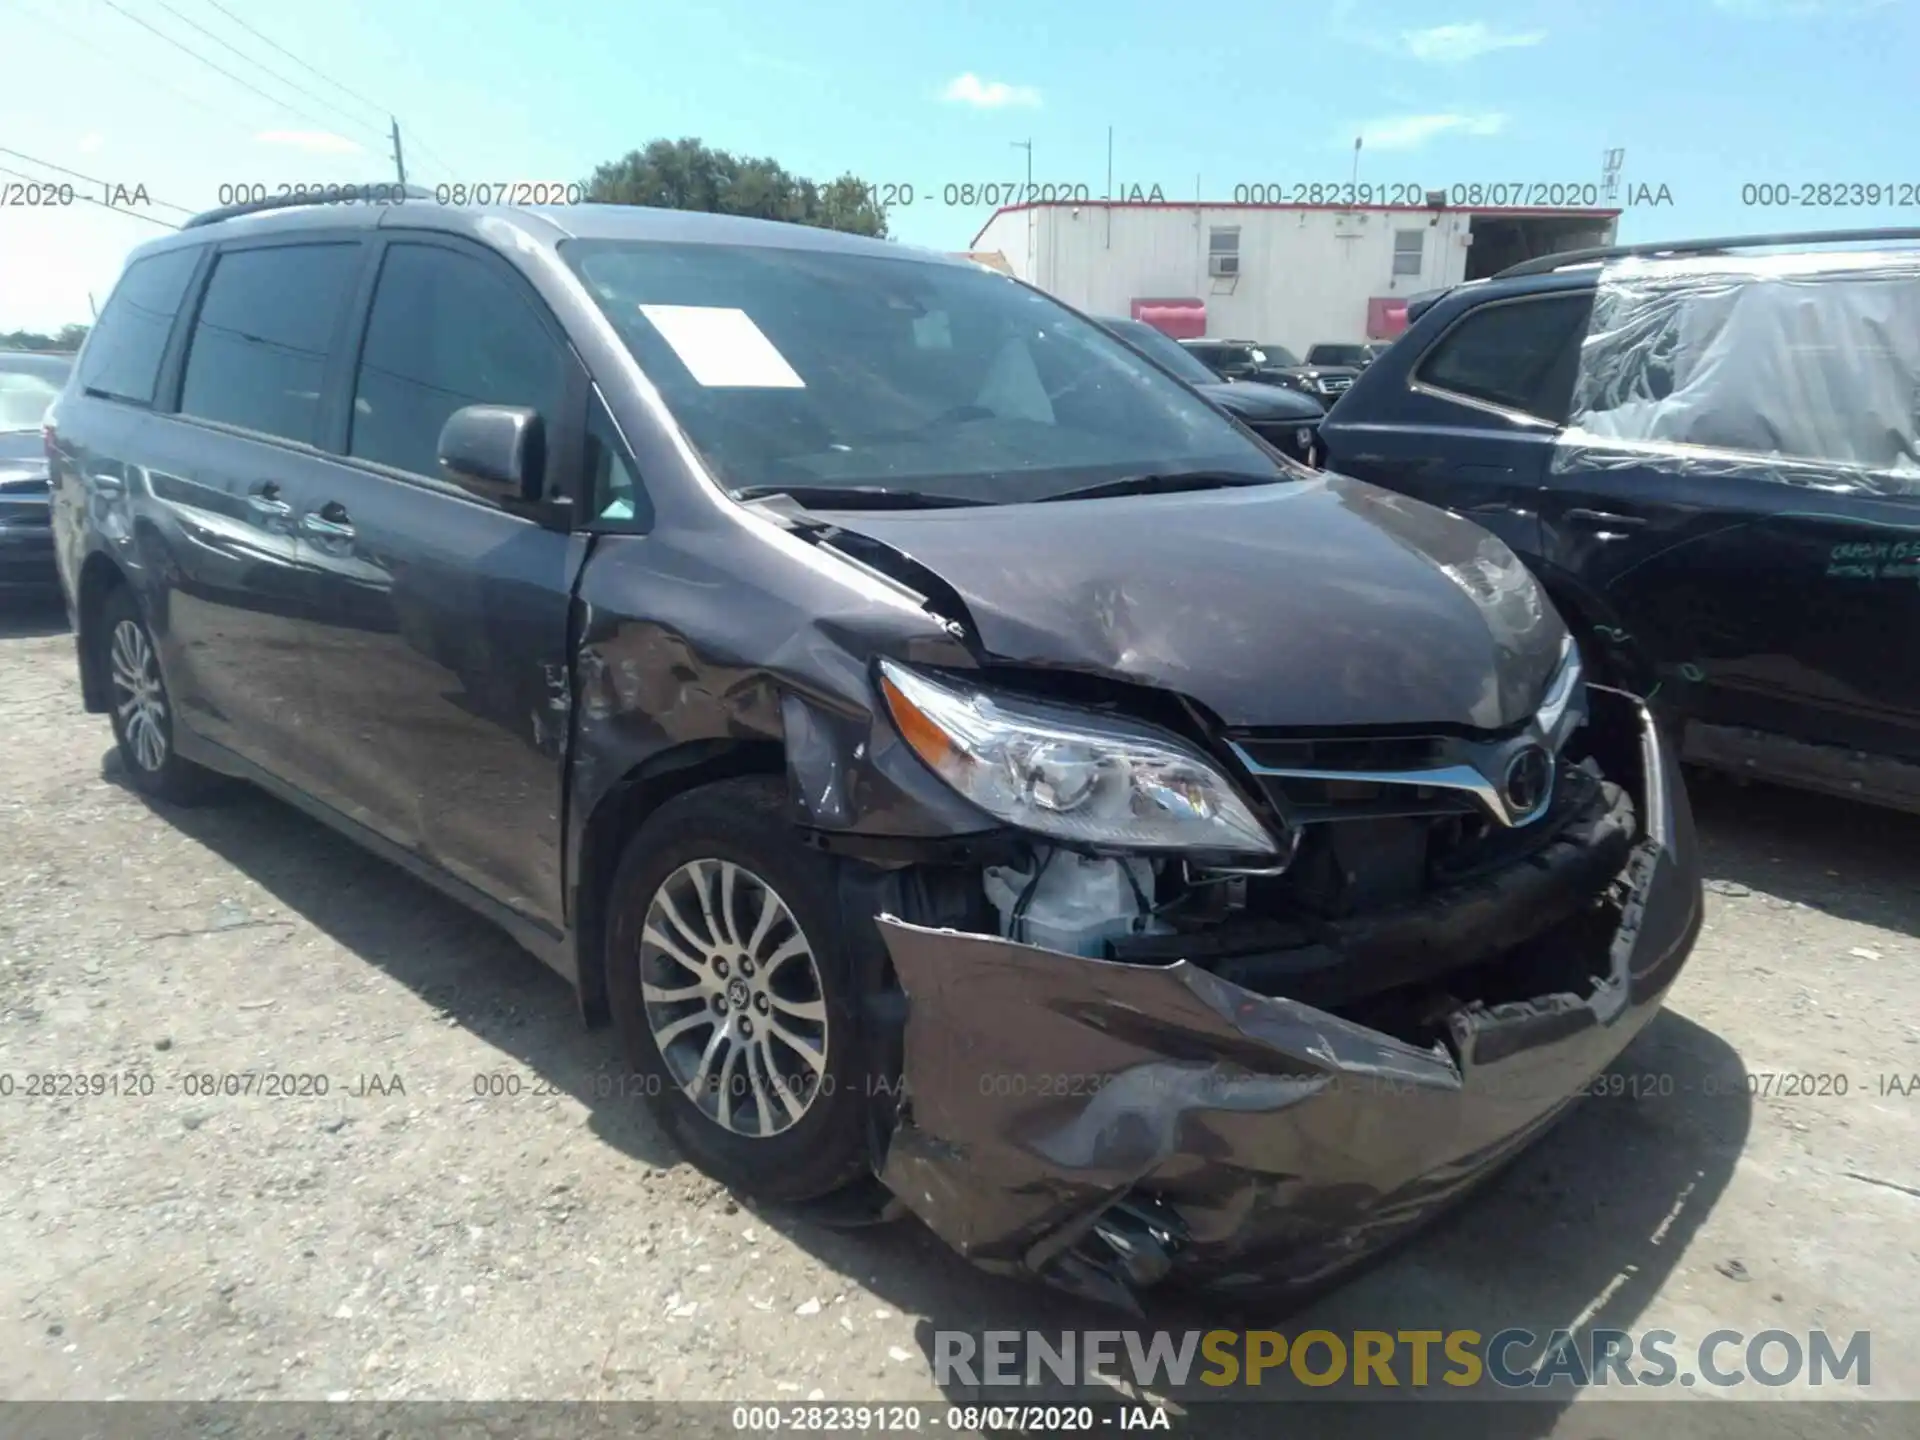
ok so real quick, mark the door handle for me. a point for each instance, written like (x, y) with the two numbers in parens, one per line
(1606, 519)
(265, 500)
(329, 522)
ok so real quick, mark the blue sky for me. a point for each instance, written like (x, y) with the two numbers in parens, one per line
(1703, 95)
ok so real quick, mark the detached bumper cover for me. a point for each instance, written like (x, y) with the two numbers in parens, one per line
(1104, 1124)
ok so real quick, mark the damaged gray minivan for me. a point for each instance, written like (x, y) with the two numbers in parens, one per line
(950, 749)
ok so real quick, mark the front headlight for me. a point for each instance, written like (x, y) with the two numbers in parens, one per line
(1562, 691)
(1069, 775)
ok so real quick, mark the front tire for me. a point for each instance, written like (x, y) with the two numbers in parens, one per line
(141, 707)
(729, 978)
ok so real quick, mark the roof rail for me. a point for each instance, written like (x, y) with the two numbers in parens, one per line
(380, 192)
(1546, 264)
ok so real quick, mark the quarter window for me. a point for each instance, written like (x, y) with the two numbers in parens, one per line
(614, 488)
(258, 357)
(122, 360)
(1519, 354)
(446, 331)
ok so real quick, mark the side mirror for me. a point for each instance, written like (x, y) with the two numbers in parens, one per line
(497, 452)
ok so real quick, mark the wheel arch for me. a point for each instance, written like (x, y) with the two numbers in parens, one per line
(1611, 654)
(99, 578)
(621, 810)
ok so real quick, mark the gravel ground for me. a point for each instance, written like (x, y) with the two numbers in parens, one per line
(406, 1237)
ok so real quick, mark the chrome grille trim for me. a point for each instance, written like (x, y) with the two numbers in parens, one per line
(1482, 765)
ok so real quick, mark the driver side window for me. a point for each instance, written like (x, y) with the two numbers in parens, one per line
(446, 331)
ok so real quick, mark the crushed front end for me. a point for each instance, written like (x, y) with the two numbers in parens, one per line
(1121, 1069)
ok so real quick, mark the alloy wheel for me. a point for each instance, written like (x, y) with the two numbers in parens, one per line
(139, 697)
(733, 997)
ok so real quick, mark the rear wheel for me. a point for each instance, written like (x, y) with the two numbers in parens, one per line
(141, 708)
(728, 976)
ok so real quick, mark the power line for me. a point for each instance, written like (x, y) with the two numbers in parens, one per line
(219, 69)
(91, 179)
(88, 199)
(293, 57)
(146, 75)
(319, 74)
(295, 85)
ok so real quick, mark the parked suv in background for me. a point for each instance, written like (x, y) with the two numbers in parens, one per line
(29, 381)
(1710, 454)
(1353, 357)
(1285, 419)
(881, 691)
(1272, 365)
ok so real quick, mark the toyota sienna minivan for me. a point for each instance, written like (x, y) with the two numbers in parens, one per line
(961, 760)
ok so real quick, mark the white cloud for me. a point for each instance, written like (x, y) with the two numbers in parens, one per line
(970, 89)
(1455, 44)
(1409, 132)
(314, 142)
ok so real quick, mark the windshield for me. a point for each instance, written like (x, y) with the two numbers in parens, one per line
(1276, 355)
(810, 367)
(1162, 348)
(25, 395)
(1341, 354)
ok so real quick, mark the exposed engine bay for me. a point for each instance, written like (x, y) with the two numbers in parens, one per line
(1364, 907)
(1410, 864)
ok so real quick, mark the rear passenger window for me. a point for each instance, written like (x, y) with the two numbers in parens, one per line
(446, 331)
(258, 356)
(1518, 354)
(123, 352)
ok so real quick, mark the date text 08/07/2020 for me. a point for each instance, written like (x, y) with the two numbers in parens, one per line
(481, 192)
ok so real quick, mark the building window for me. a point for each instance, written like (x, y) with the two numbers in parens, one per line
(1223, 250)
(1409, 251)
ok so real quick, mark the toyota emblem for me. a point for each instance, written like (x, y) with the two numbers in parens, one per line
(1528, 779)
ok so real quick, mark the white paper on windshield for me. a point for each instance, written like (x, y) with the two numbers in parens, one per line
(722, 347)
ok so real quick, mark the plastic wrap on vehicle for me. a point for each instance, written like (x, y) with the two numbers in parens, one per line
(1801, 368)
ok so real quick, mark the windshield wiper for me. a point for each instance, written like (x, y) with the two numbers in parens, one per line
(857, 497)
(1165, 484)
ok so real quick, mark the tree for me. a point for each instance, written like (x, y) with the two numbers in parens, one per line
(68, 339)
(688, 175)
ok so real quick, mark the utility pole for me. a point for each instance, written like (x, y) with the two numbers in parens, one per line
(1032, 247)
(399, 164)
(1356, 160)
(1027, 145)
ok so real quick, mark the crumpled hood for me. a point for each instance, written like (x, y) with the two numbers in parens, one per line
(1253, 401)
(1321, 603)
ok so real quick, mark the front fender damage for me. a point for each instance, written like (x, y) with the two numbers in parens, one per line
(1104, 1125)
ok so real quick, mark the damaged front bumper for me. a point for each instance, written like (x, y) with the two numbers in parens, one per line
(1107, 1125)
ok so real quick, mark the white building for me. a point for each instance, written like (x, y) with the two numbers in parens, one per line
(1285, 274)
